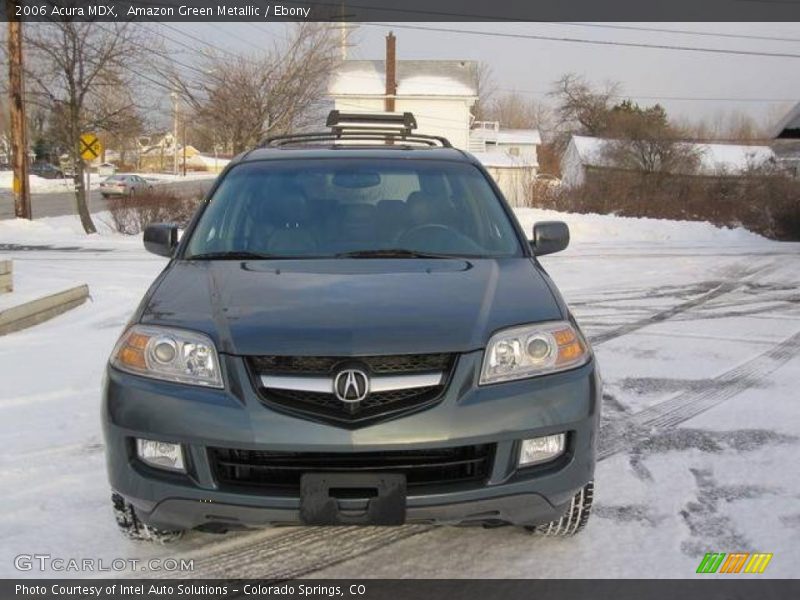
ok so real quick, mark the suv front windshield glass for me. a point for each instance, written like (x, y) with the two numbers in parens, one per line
(357, 207)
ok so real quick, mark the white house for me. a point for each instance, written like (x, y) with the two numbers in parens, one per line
(440, 93)
(584, 153)
(786, 144)
(510, 156)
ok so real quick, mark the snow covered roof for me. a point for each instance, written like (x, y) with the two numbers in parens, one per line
(519, 136)
(206, 160)
(732, 158)
(590, 150)
(791, 120)
(502, 160)
(714, 158)
(414, 78)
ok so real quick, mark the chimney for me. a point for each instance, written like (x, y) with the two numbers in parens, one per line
(391, 72)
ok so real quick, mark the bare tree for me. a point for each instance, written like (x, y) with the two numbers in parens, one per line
(644, 141)
(123, 122)
(239, 100)
(727, 125)
(515, 111)
(486, 89)
(581, 107)
(73, 70)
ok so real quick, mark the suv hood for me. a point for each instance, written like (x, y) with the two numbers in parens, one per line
(351, 307)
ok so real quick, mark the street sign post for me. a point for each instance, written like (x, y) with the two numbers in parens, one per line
(90, 148)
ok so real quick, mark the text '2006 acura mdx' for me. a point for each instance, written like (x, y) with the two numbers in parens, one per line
(353, 329)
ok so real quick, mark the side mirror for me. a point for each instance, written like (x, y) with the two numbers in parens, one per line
(549, 237)
(161, 238)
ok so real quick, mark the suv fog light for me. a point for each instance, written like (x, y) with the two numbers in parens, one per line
(541, 449)
(162, 455)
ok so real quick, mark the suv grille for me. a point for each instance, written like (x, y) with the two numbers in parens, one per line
(321, 365)
(378, 404)
(282, 470)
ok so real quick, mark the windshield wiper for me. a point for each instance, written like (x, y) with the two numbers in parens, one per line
(231, 255)
(391, 253)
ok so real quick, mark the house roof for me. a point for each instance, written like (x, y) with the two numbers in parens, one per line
(414, 78)
(502, 160)
(791, 120)
(157, 148)
(732, 158)
(590, 150)
(519, 136)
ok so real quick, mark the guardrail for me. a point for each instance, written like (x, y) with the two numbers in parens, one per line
(37, 311)
(6, 279)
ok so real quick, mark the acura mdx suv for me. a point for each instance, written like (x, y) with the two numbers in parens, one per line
(353, 329)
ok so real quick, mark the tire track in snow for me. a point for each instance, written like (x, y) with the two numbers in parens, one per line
(660, 316)
(297, 553)
(665, 415)
(734, 282)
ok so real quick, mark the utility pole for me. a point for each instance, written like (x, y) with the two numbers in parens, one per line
(345, 29)
(175, 132)
(19, 138)
(184, 146)
(391, 73)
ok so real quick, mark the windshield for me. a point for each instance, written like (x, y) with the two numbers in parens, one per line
(357, 207)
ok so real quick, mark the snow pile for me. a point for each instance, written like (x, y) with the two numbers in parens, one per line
(584, 228)
(592, 228)
(61, 231)
(40, 185)
(37, 184)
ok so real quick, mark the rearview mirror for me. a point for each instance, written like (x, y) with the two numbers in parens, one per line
(356, 180)
(549, 237)
(161, 238)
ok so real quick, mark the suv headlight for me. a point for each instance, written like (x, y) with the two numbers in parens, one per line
(531, 350)
(168, 354)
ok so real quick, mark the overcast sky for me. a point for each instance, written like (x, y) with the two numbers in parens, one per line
(763, 86)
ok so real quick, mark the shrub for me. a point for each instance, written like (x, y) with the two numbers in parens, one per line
(131, 215)
(762, 200)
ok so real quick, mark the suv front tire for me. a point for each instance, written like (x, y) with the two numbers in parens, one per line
(133, 529)
(574, 519)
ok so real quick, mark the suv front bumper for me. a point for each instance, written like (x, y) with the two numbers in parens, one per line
(500, 414)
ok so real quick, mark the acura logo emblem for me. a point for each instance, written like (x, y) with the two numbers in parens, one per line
(351, 385)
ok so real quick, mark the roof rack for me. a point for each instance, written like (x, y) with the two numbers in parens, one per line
(339, 121)
(390, 128)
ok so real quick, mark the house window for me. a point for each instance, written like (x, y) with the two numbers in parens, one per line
(513, 151)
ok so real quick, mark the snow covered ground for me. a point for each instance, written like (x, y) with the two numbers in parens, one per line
(697, 330)
(40, 185)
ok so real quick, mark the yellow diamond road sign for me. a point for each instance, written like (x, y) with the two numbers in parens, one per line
(90, 146)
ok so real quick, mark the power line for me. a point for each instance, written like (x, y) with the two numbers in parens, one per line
(572, 40)
(195, 38)
(159, 54)
(657, 97)
(741, 36)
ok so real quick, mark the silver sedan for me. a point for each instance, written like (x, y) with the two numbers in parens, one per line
(124, 185)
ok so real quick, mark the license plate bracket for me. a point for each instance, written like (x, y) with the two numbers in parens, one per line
(352, 499)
